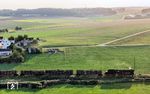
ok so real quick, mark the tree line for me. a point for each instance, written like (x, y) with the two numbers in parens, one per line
(55, 12)
(17, 28)
(3, 30)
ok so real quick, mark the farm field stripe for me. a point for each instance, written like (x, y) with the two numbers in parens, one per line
(132, 35)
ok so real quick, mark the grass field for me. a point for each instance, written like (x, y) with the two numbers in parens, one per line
(125, 88)
(83, 31)
(100, 58)
(75, 31)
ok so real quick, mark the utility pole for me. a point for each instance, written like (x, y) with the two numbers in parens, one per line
(65, 53)
(134, 63)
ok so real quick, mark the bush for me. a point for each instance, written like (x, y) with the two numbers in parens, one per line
(11, 38)
(19, 38)
(18, 28)
(17, 57)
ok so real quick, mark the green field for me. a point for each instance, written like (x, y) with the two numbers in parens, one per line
(125, 88)
(83, 31)
(100, 58)
(75, 31)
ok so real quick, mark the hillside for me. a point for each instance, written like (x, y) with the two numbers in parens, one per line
(52, 12)
(146, 11)
(75, 12)
(128, 10)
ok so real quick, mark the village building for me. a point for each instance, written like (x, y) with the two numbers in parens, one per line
(25, 42)
(5, 52)
(4, 44)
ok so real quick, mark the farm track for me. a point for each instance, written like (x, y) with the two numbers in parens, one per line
(126, 37)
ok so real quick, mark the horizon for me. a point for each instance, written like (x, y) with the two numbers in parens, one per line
(77, 7)
(69, 4)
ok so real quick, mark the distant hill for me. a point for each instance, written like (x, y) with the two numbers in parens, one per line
(136, 13)
(52, 12)
(146, 11)
(128, 10)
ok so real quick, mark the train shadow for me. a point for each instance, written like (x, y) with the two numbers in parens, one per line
(122, 85)
(116, 86)
(148, 83)
(102, 86)
(7, 66)
(31, 56)
(79, 86)
(29, 90)
(144, 83)
(23, 90)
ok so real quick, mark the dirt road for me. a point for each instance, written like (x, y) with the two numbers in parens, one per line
(132, 35)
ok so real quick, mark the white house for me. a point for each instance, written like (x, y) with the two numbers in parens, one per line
(5, 52)
(4, 43)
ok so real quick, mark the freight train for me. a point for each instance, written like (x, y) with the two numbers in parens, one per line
(67, 74)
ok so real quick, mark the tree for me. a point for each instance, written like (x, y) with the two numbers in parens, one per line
(37, 38)
(17, 57)
(11, 38)
(18, 28)
(25, 36)
(3, 30)
(19, 38)
(6, 30)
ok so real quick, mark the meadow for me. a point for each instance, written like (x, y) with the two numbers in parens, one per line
(119, 88)
(82, 31)
(84, 58)
(75, 31)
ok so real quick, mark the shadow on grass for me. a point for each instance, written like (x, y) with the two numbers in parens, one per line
(23, 90)
(122, 85)
(116, 86)
(7, 66)
(30, 57)
(144, 83)
(13, 66)
(32, 91)
(148, 83)
(102, 86)
(79, 86)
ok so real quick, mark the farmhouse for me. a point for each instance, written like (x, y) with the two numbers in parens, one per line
(25, 42)
(5, 43)
(5, 52)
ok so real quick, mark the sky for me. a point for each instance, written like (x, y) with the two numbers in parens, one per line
(31, 4)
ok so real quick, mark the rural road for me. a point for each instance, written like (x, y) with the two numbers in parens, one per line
(132, 35)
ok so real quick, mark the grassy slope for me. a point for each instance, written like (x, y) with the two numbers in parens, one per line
(88, 58)
(125, 88)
